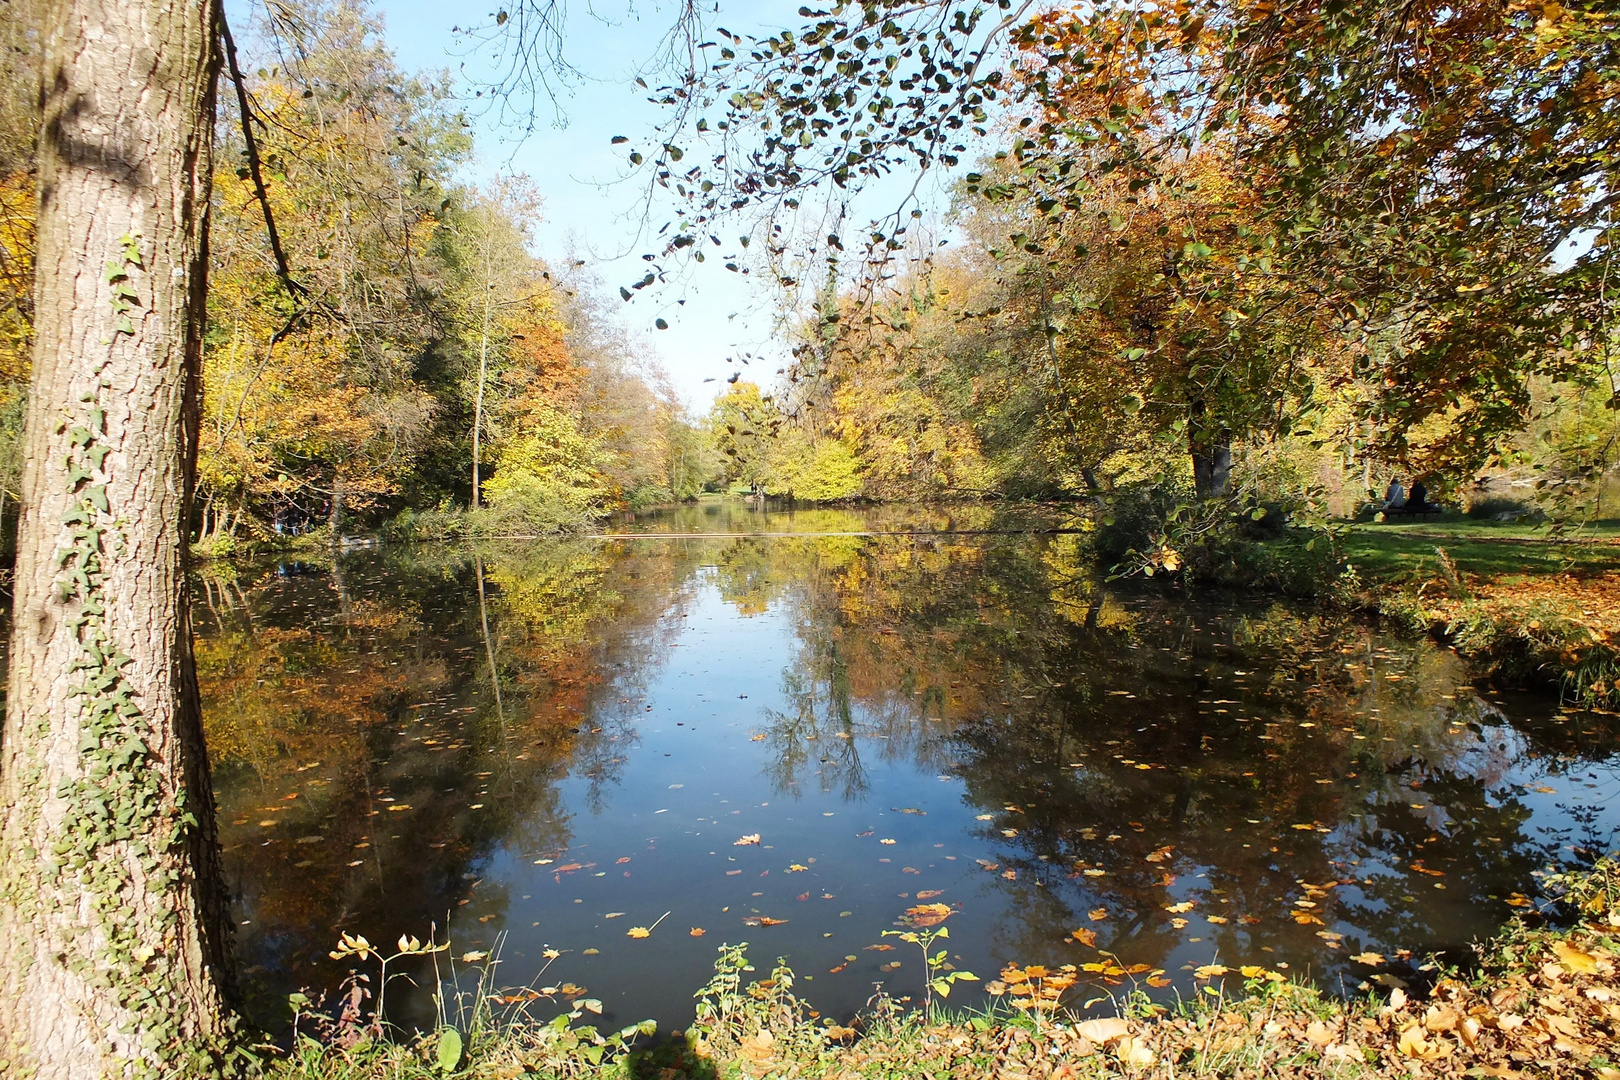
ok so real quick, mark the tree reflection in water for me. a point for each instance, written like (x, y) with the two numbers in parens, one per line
(401, 737)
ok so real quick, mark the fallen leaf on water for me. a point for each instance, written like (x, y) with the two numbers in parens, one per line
(836, 970)
(926, 915)
(758, 738)
(1218, 920)
(744, 841)
(622, 861)
(732, 873)
(886, 841)
(591, 952)
(474, 957)
(697, 931)
(1210, 971)
(1177, 909)
(892, 965)
(880, 948)
(1178, 923)
(1085, 937)
(796, 869)
(1158, 982)
(929, 894)
(614, 915)
(1097, 914)
(638, 932)
(1371, 959)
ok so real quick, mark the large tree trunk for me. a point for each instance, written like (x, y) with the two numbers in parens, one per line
(113, 914)
(1212, 468)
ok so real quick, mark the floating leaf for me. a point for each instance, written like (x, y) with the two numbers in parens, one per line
(638, 932)
(744, 841)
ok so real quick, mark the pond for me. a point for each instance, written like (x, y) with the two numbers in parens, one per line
(791, 738)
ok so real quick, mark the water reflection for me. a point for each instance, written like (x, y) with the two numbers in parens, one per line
(532, 740)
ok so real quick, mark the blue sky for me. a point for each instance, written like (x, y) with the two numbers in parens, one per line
(574, 167)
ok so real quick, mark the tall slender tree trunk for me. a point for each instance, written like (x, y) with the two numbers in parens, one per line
(334, 510)
(113, 913)
(483, 375)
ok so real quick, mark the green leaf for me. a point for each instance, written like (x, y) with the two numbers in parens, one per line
(450, 1050)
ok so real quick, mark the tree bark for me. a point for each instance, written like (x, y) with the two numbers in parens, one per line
(113, 909)
(1212, 468)
(334, 511)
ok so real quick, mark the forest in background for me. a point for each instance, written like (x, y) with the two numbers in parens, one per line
(413, 331)
(1141, 301)
(1126, 304)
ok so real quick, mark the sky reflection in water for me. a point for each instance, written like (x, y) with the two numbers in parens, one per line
(530, 740)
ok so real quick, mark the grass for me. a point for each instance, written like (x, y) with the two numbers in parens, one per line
(1525, 605)
(1492, 549)
(1542, 999)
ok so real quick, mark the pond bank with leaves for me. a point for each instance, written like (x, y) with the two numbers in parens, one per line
(1522, 607)
(1543, 999)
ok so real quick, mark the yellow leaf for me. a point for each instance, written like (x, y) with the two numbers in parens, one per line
(1210, 971)
(638, 932)
(1574, 960)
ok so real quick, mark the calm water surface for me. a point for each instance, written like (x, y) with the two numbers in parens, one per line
(556, 742)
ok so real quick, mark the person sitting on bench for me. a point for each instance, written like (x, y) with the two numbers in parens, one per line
(1417, 502)
(1394, 497)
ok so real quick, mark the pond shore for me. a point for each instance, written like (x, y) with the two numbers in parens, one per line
(1543, 999)
(1523, 607)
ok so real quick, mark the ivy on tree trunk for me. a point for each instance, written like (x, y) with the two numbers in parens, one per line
(112, 904)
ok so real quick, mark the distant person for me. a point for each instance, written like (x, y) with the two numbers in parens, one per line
(1419, 499)
(1395, 496)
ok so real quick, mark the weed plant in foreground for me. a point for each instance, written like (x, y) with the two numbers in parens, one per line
(1542, 1001)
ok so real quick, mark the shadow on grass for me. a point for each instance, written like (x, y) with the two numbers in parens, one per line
(675, 1058)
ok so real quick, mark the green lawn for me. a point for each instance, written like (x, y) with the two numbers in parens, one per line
(1495, 549)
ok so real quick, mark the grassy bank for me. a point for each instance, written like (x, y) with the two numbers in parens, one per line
(1525, 606)
(1543, 999)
